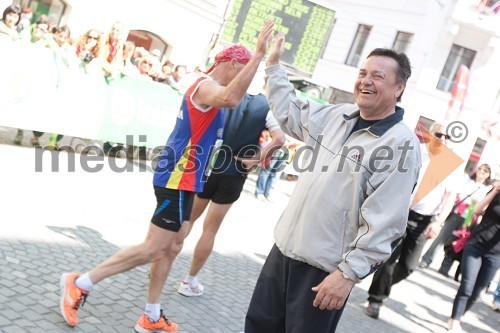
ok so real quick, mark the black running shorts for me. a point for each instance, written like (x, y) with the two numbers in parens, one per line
(223, 189)
(172, 209)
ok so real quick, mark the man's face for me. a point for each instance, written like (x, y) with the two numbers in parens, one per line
(376, 89)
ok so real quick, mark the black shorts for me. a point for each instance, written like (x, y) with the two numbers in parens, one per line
(172, 209)
(223, 189)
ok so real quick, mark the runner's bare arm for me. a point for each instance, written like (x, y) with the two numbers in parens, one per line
(210, 93)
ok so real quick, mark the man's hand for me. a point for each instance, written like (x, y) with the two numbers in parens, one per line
(249, 163)
(433, 229)
(277, 50)
(332, 291)
(264, 39)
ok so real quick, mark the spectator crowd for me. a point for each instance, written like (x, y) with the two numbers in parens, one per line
(95, 51)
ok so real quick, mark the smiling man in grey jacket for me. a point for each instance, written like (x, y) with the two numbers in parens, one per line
(350, 205)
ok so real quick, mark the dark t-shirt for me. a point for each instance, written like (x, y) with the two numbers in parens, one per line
(487, 233)
(363, 123)
(242, 129)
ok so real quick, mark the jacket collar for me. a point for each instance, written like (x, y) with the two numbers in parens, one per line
(382, 126)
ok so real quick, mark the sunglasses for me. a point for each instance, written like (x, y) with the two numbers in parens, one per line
(92, 37)
(440, 135)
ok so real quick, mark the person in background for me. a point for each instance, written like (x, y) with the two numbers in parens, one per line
(139, 53)
(88, 49)
(424, 222)
(64, 58)
(481, 257)
(10, 18)
(179, 72)
(237, 157)
(268, 170)
(145, 67)
(39, 29)
(111, 52)
(166, 75)
(62, 48)
(24, 25)
(111, 58)
(347, 211)
(474, 187)
(128, 69)
(178, 176)
(496, 299)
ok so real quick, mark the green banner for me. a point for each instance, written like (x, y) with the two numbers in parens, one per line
(137, 107)
(39, 94)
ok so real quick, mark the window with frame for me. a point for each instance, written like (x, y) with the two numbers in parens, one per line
(458, 56)
(402, 41)
(358, 45)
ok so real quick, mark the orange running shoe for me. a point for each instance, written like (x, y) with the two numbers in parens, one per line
(145, 325)
(71, 298)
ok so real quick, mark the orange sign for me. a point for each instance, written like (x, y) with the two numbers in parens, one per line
(442, 164)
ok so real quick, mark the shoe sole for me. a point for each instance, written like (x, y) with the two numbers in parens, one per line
(62, 286)
(139, 329)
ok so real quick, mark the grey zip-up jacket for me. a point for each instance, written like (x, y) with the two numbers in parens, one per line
(350, 205)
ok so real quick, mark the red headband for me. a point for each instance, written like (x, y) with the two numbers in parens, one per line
(236, 52)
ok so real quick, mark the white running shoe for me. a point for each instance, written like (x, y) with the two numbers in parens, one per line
(496, 306)
(186, 290)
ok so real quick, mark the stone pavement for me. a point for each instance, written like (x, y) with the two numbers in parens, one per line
(52, 222)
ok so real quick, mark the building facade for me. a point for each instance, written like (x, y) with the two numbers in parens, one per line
(438, 36)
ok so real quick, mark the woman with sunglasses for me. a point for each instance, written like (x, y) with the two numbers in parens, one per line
(474, 189)
(88, 49)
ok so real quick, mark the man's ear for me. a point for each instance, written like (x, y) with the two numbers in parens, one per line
(400, 90)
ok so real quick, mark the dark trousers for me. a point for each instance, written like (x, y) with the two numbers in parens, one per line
(478, 269)
(282, 301)
(402, 262)
(446, 266)
(453, 222)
